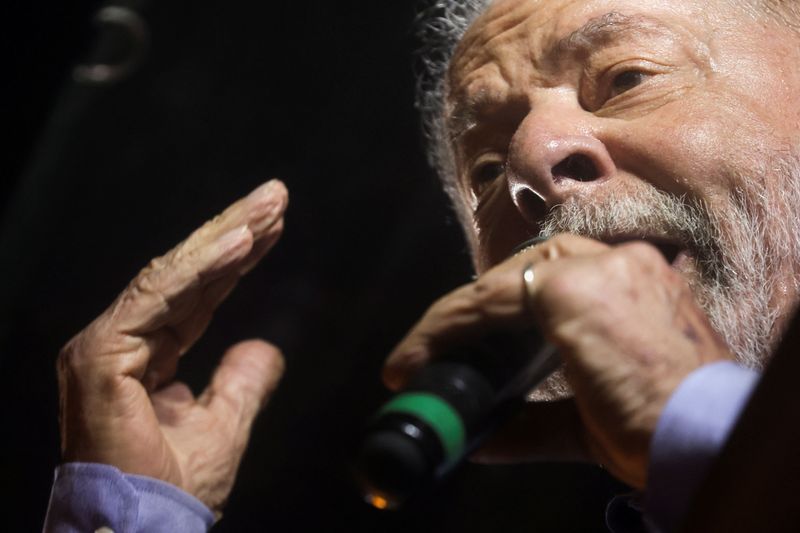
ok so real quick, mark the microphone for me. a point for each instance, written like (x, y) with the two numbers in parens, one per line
(448, 410)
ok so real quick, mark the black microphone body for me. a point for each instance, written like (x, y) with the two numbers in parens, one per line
(447, 411)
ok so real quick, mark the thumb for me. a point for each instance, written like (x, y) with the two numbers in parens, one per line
(243, 382)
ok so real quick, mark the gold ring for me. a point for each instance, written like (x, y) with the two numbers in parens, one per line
(528, 277)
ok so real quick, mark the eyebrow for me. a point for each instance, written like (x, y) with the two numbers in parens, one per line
(597, 32)
(602, 30)
(464, 116)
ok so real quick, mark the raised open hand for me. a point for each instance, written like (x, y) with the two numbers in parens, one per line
(119, 402)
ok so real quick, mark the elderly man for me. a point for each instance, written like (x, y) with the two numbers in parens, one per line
(653, 142)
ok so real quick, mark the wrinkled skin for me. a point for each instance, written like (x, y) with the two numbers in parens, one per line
(688, 97)
(622, 371)
(120, 404)
(689, 101)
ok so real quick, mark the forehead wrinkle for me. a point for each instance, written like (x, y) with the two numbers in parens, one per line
(463, 115)
(483, 55)
(603, 30)
(499, 59)
(506, 29)
(484, 33)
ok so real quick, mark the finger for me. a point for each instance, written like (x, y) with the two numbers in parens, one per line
(259, 210)
(558, 247)
(496, 300)
(246, 377)
(261, 247)
(169, 304)
(166, 291)
(169, 341)
(172, 403)
(162, 366)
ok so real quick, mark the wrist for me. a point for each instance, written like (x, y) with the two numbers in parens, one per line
(691, 431)
(88, 496)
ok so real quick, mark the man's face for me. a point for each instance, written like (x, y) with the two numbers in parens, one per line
(675, 121)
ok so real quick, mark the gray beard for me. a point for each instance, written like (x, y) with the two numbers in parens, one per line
(742, 251)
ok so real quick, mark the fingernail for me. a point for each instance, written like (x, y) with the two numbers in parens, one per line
(266, 206)
(263, 189)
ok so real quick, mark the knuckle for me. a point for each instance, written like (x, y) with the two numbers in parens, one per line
(485, 288)
(575, 285)
(66, 358)
(149, 278)
(641, 253)
(560, 286)
(142, 289)
(157, 263)
(617, 270)
(490, 291)
(185, 254)
(566, 244)
(450, 309)
(453, 303)
(557, 246)
(151, 282)
(146, 282)
(624, 263)
(72, 357)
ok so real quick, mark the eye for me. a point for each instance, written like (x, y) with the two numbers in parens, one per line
(484, 174)
(625, 81)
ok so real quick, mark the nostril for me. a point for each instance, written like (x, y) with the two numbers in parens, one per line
(576, 167)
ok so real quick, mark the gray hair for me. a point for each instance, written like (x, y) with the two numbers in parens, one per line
(440, 27)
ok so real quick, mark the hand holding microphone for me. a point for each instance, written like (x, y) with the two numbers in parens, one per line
(624, 322)
(449, 408)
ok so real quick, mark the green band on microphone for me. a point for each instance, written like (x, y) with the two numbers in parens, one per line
(435, 412)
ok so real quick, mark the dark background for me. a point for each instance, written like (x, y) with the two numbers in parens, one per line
(96, 181)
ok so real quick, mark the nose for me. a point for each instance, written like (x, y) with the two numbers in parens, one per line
(553, 155)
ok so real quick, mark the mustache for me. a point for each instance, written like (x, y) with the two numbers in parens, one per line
(649, 214)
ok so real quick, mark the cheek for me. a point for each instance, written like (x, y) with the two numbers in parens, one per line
(704, 150)
(758, 71)
(700, 152)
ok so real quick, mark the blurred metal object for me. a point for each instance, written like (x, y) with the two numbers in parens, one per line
(121, 47)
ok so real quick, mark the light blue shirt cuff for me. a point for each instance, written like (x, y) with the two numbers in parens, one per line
(89, 496)
(690, 433)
